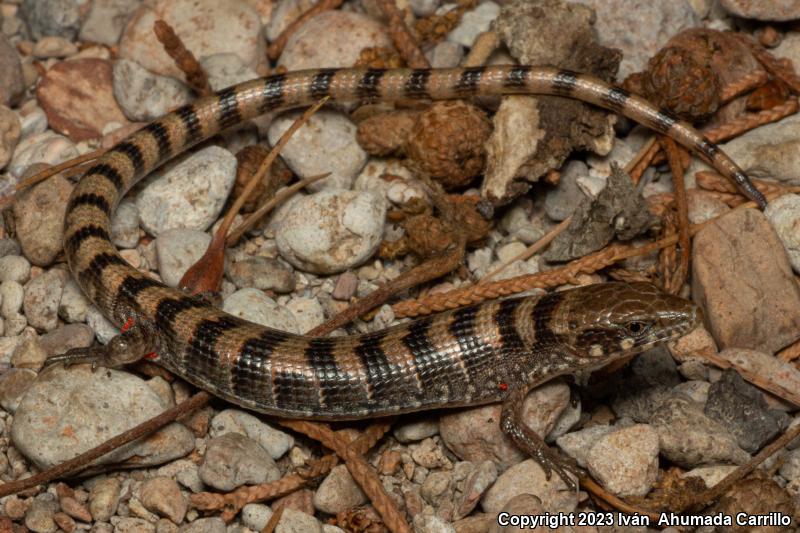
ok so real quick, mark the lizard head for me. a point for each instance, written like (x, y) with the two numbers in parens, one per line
(608, 320)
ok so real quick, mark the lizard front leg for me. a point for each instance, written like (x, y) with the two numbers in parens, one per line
(527, 440)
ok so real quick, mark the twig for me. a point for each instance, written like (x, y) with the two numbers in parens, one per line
(530, 250)
(401, 37)
(361, 471)
(272, 523)
(231, 503)
(751, 121)
(674, 284)
(712, 494)
(52, 171)
(196, 76)
(275, 49)
(432, 268)
(790, 353)
(590, 486)
(643, 158)
(80, 462)
(279, 198)
(746, 83)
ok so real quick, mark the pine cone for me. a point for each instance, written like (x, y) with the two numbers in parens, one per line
(447, 143)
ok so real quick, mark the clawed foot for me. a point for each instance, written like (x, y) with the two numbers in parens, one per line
(95, 356)
(566, 467)
(127, 347)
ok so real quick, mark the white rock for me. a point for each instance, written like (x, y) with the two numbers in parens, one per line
(473, 23)
(73, 304)
(307, 312)
(326, 143)
(189, 195)
(784, 214)
(14, 268)
(178, 249)
(32, 120)
(48, 147)
(11, 295)
(206, 27)
(144, 96)
(255, 306)
(331, 231)
(333, 39)
(274, 441)
(103, 328)
(106, 20)
(42, 296)
(225, 70)
(284, 14)
(626, 461)
(424, 8)
(125, 225)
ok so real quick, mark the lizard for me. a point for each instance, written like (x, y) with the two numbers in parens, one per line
(490, 352)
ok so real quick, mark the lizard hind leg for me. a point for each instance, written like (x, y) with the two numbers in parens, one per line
(128, 347)
(529, 441)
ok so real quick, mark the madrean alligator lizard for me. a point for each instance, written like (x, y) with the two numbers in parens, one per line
(477, 354)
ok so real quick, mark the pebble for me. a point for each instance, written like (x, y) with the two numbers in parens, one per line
(104, 498)
(191, 194)
(784, 215)
(106, 20)
(345, 288)
(528, 477)
(212, 524)
(285, 13)
(39, 517)
(14, 268)
(33, 119)
(39, 215)
(10, 131)
(12, 294)
(326, 143)
(473, 23)
(205, 27)
(78, 98)
(742, 409)
(53, 46)
(131, 525)
(737, 264)
(338, 492)
(771, 151)
(66, 337)
(274, 441)
(331, 231)
(9, 247)
(561, 201)
(649, 382)
(424, 8)
(102, 327)
(75, 509)
(446, 54)
(143, 95)
(625, 462)
(162, 496)
(578, 444)
(711, 475)
(696, 390)
(232, 460)
(619, 25)
(125, 225)
(415, 430)
(74, 304)
(261, 273)
(256, 515)
(255, 306)
(773, 10)
(66, 412)
(689, 438)
(333, 39)
(225, 70)
(307, 312)
(790, 470)
(178, 249)
(474, 434)
(704, 206)
(14, 383)
(12, 85)
(51, 17)
(47, 147)
(42, 297)
(29, 354)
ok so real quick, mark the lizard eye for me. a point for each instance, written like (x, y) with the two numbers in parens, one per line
(637, 328)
